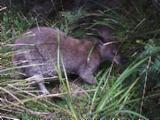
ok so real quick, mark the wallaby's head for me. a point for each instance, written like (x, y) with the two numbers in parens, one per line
(108, 45)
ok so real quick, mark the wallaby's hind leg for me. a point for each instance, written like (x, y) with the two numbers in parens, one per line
(40, 80)
(43, 88)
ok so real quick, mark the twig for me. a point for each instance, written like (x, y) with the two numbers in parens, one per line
(12, 95)
(3, 8)
(7, 118)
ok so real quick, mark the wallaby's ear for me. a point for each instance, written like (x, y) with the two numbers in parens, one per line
(100, 40)
(105, 33)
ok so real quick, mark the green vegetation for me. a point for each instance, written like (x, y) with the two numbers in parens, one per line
(131, 94)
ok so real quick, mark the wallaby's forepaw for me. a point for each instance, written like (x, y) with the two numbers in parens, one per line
(91, 81)
(44, 92)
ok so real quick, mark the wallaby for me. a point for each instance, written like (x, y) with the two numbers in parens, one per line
(40, 48)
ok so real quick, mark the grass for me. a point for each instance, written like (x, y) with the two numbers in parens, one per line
(110, 104)
(125, 95)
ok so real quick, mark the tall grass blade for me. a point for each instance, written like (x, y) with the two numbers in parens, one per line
(118, 82)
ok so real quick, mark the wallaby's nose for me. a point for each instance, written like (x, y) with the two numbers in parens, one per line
(120, 60)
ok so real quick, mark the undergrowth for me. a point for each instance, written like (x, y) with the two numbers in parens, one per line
(131, 94)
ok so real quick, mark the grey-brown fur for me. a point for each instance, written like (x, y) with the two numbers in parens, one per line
(81, 57)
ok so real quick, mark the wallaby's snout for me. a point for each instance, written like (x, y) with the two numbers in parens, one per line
(118, 60)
